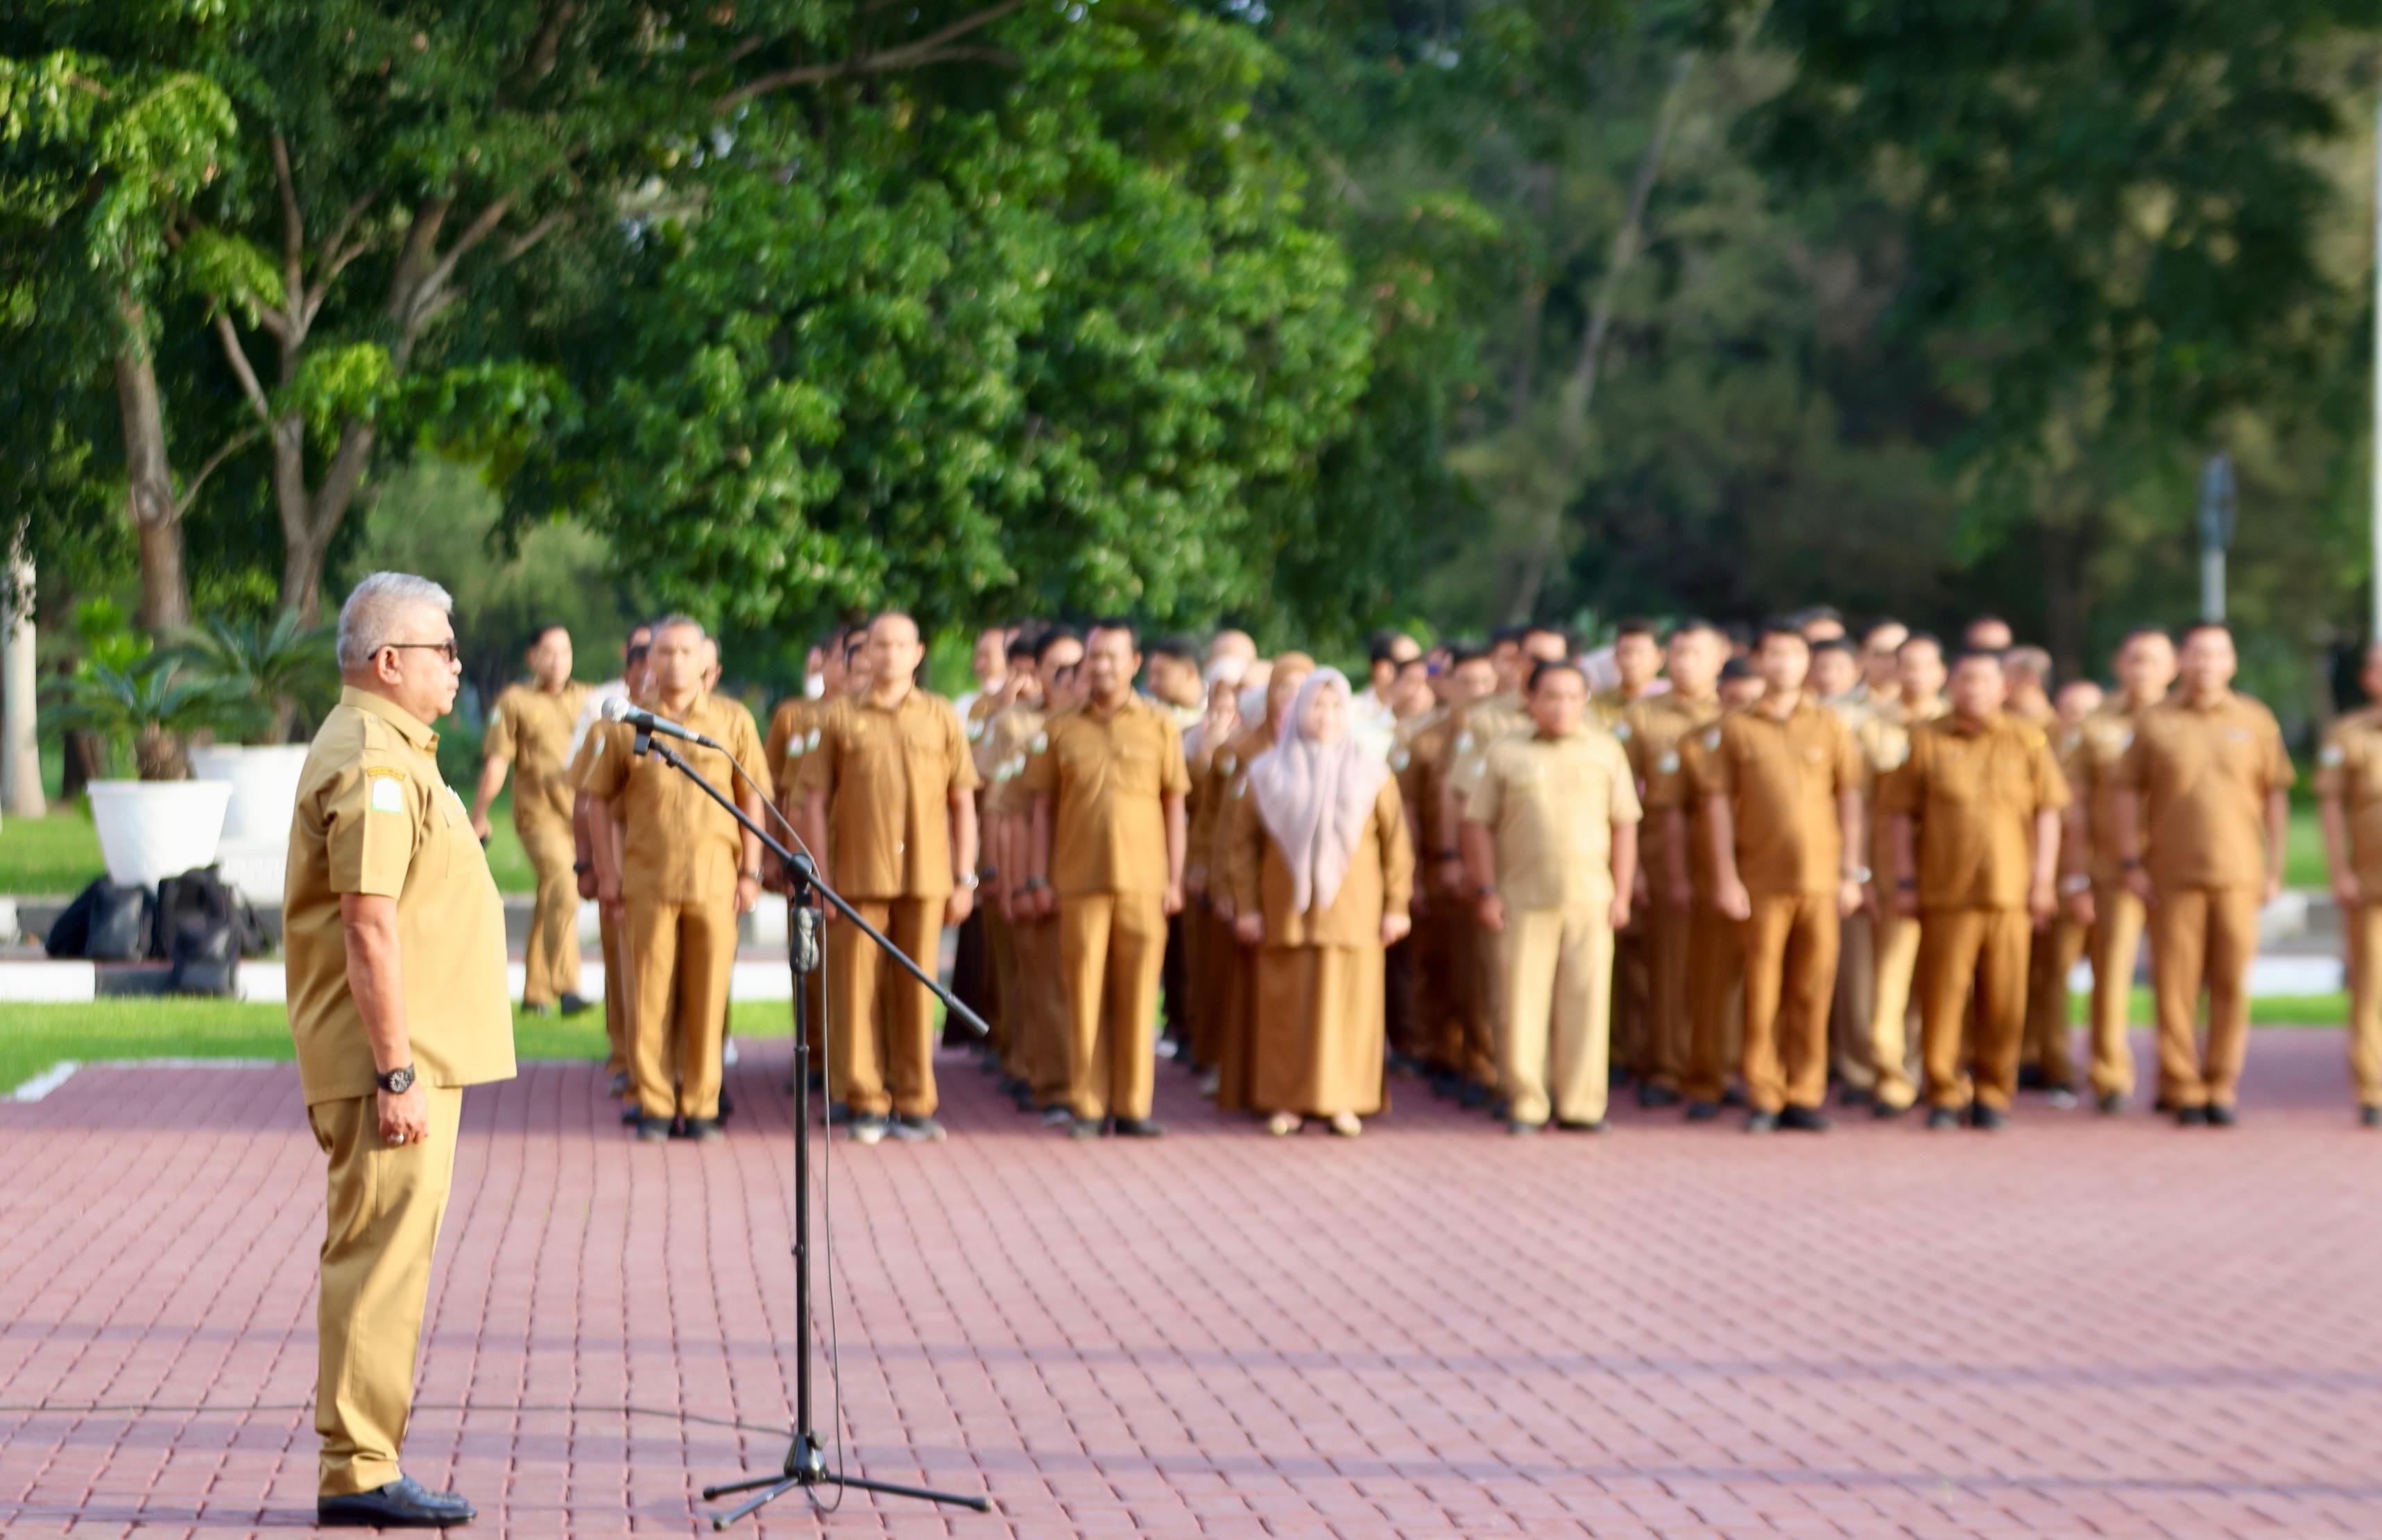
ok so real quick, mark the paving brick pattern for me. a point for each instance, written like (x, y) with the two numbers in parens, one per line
(2081, 1328)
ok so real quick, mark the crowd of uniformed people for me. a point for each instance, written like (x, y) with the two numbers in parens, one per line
(1722, 866)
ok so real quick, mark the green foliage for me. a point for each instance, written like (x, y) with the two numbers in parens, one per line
(141, 713)
(289, 666)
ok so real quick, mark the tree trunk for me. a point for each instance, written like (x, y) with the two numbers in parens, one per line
(149, 481)
(20, 755)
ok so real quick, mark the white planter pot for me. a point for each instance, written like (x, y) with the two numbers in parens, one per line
(263, 787)
(153, 830)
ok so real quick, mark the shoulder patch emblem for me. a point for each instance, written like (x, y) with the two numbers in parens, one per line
(813, 738)
(1669, 763)
(1621, 731)
(2331, 757)
(1464, 742)
(1712, 737)
(1041, 742)
(1228, 761)
(1399, 759)
(386, 791)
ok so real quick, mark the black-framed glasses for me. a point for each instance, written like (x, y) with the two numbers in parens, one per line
(444, 649)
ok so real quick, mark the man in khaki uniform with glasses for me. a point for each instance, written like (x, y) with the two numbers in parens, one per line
(2348, 789)
(396, 944)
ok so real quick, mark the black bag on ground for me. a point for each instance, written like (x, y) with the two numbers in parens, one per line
(204, 930)
(106, 923)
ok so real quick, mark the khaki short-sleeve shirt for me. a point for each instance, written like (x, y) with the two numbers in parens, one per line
(678, 846)
(888, 776)
(374, 816)
(1550, 805)
(1107, 778)
(2101, 744)
(2203, 774)
(531, 728)
(1974, 789)
(2348, 767)
(1781, 778)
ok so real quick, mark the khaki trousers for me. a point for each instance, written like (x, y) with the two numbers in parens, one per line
(1894, 949)
(620, 1005)
(2118, 925)
(1557, 968)
(1983, 950)
(2202, 936)
(1715, 967)
(1632, 991)
(551, 969)
(1044, 1024)
(1851, 1049)
(1669, 935)
(1483, 1001)
(380, 1226)
(680, 955)
(1790, 973)
(883, 1028)
(2053, 956)
(1111, 947)
(2364, 925)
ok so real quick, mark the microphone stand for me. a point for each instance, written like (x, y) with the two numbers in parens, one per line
(805, 1463)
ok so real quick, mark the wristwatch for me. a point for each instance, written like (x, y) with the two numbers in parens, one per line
(1859, 874)
(969, 881)
(396, 1082)
(748, 876)
(2074, 882)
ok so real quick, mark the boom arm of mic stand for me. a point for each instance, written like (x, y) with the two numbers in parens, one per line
(806, 876)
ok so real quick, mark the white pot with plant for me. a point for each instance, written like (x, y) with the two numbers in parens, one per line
(157, 823)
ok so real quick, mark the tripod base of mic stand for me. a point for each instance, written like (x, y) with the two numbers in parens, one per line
(806, 1469)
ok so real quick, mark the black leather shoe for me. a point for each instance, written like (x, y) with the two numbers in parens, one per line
(2369, 1117)
(1137, 1127)
(629, 1116)
(704, 1131)
(2191, 1118)
(1853, 1096)
(1580, 1124)
(1804, 1120)
(1762, 1123)
(574, 1005)
(402, 1504)
(653, 1130)
(1992, 1120)
(1941, 1118)
(2222, 1115)
(1734, 1097)
(1702, 1111)
(1652, 1095)
(2109, 1103)
(1083, 1128)
(1881, 1110)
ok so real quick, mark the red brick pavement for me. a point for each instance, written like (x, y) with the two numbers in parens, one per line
(2081, 1328)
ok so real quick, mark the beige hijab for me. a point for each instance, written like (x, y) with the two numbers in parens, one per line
(1315, 798)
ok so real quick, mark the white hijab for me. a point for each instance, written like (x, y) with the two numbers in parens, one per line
(1314, 798)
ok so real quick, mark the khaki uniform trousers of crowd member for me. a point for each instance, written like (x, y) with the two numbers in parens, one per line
(1893, 949)
(531, 728)
(2205, 775)
(373, 817)
(1045, 1025)
(2364, 925)
(679, 856)
(2049, 961)
(882, 1031)
(1791, 972)
(2119, 922)
(1986, 950)
(1111, 949)
(1716, 989)
(1852, 1052)
(1550, 805)
(2350, 773)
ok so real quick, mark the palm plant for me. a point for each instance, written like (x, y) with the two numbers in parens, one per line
(288, 667)
(149, 706)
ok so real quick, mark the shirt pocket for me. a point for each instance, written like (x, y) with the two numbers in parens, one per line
(1136, 768)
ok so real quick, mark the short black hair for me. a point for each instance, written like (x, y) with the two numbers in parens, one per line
(1694, 623)
(1508, 634)
(1975, 655)
(1420, 660)
(1461, 653)
(1022, 643)
(1051, 637)
(1834, 644)
(1382, 646)
(1779, 625)
(638, 651)
(1183, 650)
(1545, 666)
(1735, 669)
(1118, 622)
(1821, 612)
(1637, 625)
(538, 633)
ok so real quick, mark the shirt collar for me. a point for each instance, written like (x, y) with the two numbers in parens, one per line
(409, 727)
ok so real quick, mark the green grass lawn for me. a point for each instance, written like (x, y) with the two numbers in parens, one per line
(36, 1037)
(59, 854)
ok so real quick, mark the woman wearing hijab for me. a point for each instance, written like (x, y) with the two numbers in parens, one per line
(1320, 872)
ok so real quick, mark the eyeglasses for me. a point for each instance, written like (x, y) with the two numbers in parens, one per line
(444, 649)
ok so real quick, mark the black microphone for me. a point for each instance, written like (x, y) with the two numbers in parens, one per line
(616, 709)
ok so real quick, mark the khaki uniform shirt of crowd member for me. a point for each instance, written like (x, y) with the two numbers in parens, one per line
(1551, 839)
(1974, 819)
(396, 945)
(587, 820)
(1887, 1069)
(2202, 817)
(2145, 670)
(1233, 976)
(1781, 784)
(2349, 792)
(1108, 782)
(1637, 662)
(530, 731)
(679, 871)
(1652, 732)
(889, 807)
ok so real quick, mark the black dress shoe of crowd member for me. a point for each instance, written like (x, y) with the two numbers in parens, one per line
(1887, 1109)
(2030, 1078)
(2369, 1117)
(1523, 1131)
(1941, 1118)
(1083, 1128)
(727, 1106)
(1581, 1124)
(1992, 1120)
(402, 1504)
(2109, 1103)
(574, 1005)
(1137, 1127)
(1804, 1120)
(1853, 1096)
(1474, 1096)
(619, 1084)
(2191, 1118)
(1762, 1123)
(907, 1130)
(704, 1131)
(631, 1116)
(1702, 1111)
(1734, 1097)
(2222, 1115)
(652, 1130)
(1652, 1095)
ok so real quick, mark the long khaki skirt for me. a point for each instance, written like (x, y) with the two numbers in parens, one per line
(1317, 1035)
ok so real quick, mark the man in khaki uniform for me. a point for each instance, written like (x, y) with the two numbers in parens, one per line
(2348, 788)
(396, 945)
(2145, 670)
(1551, 841)
(1655, 726)
(1885, 1067)
(679, 871)
(1638, 662)
(2201, 817)
(1108, 782)
(1974, 816)
(1781, 784)
(889, 808)
(1460, 1044)
(1037, 1061)
(586, 821)
(530, 731)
